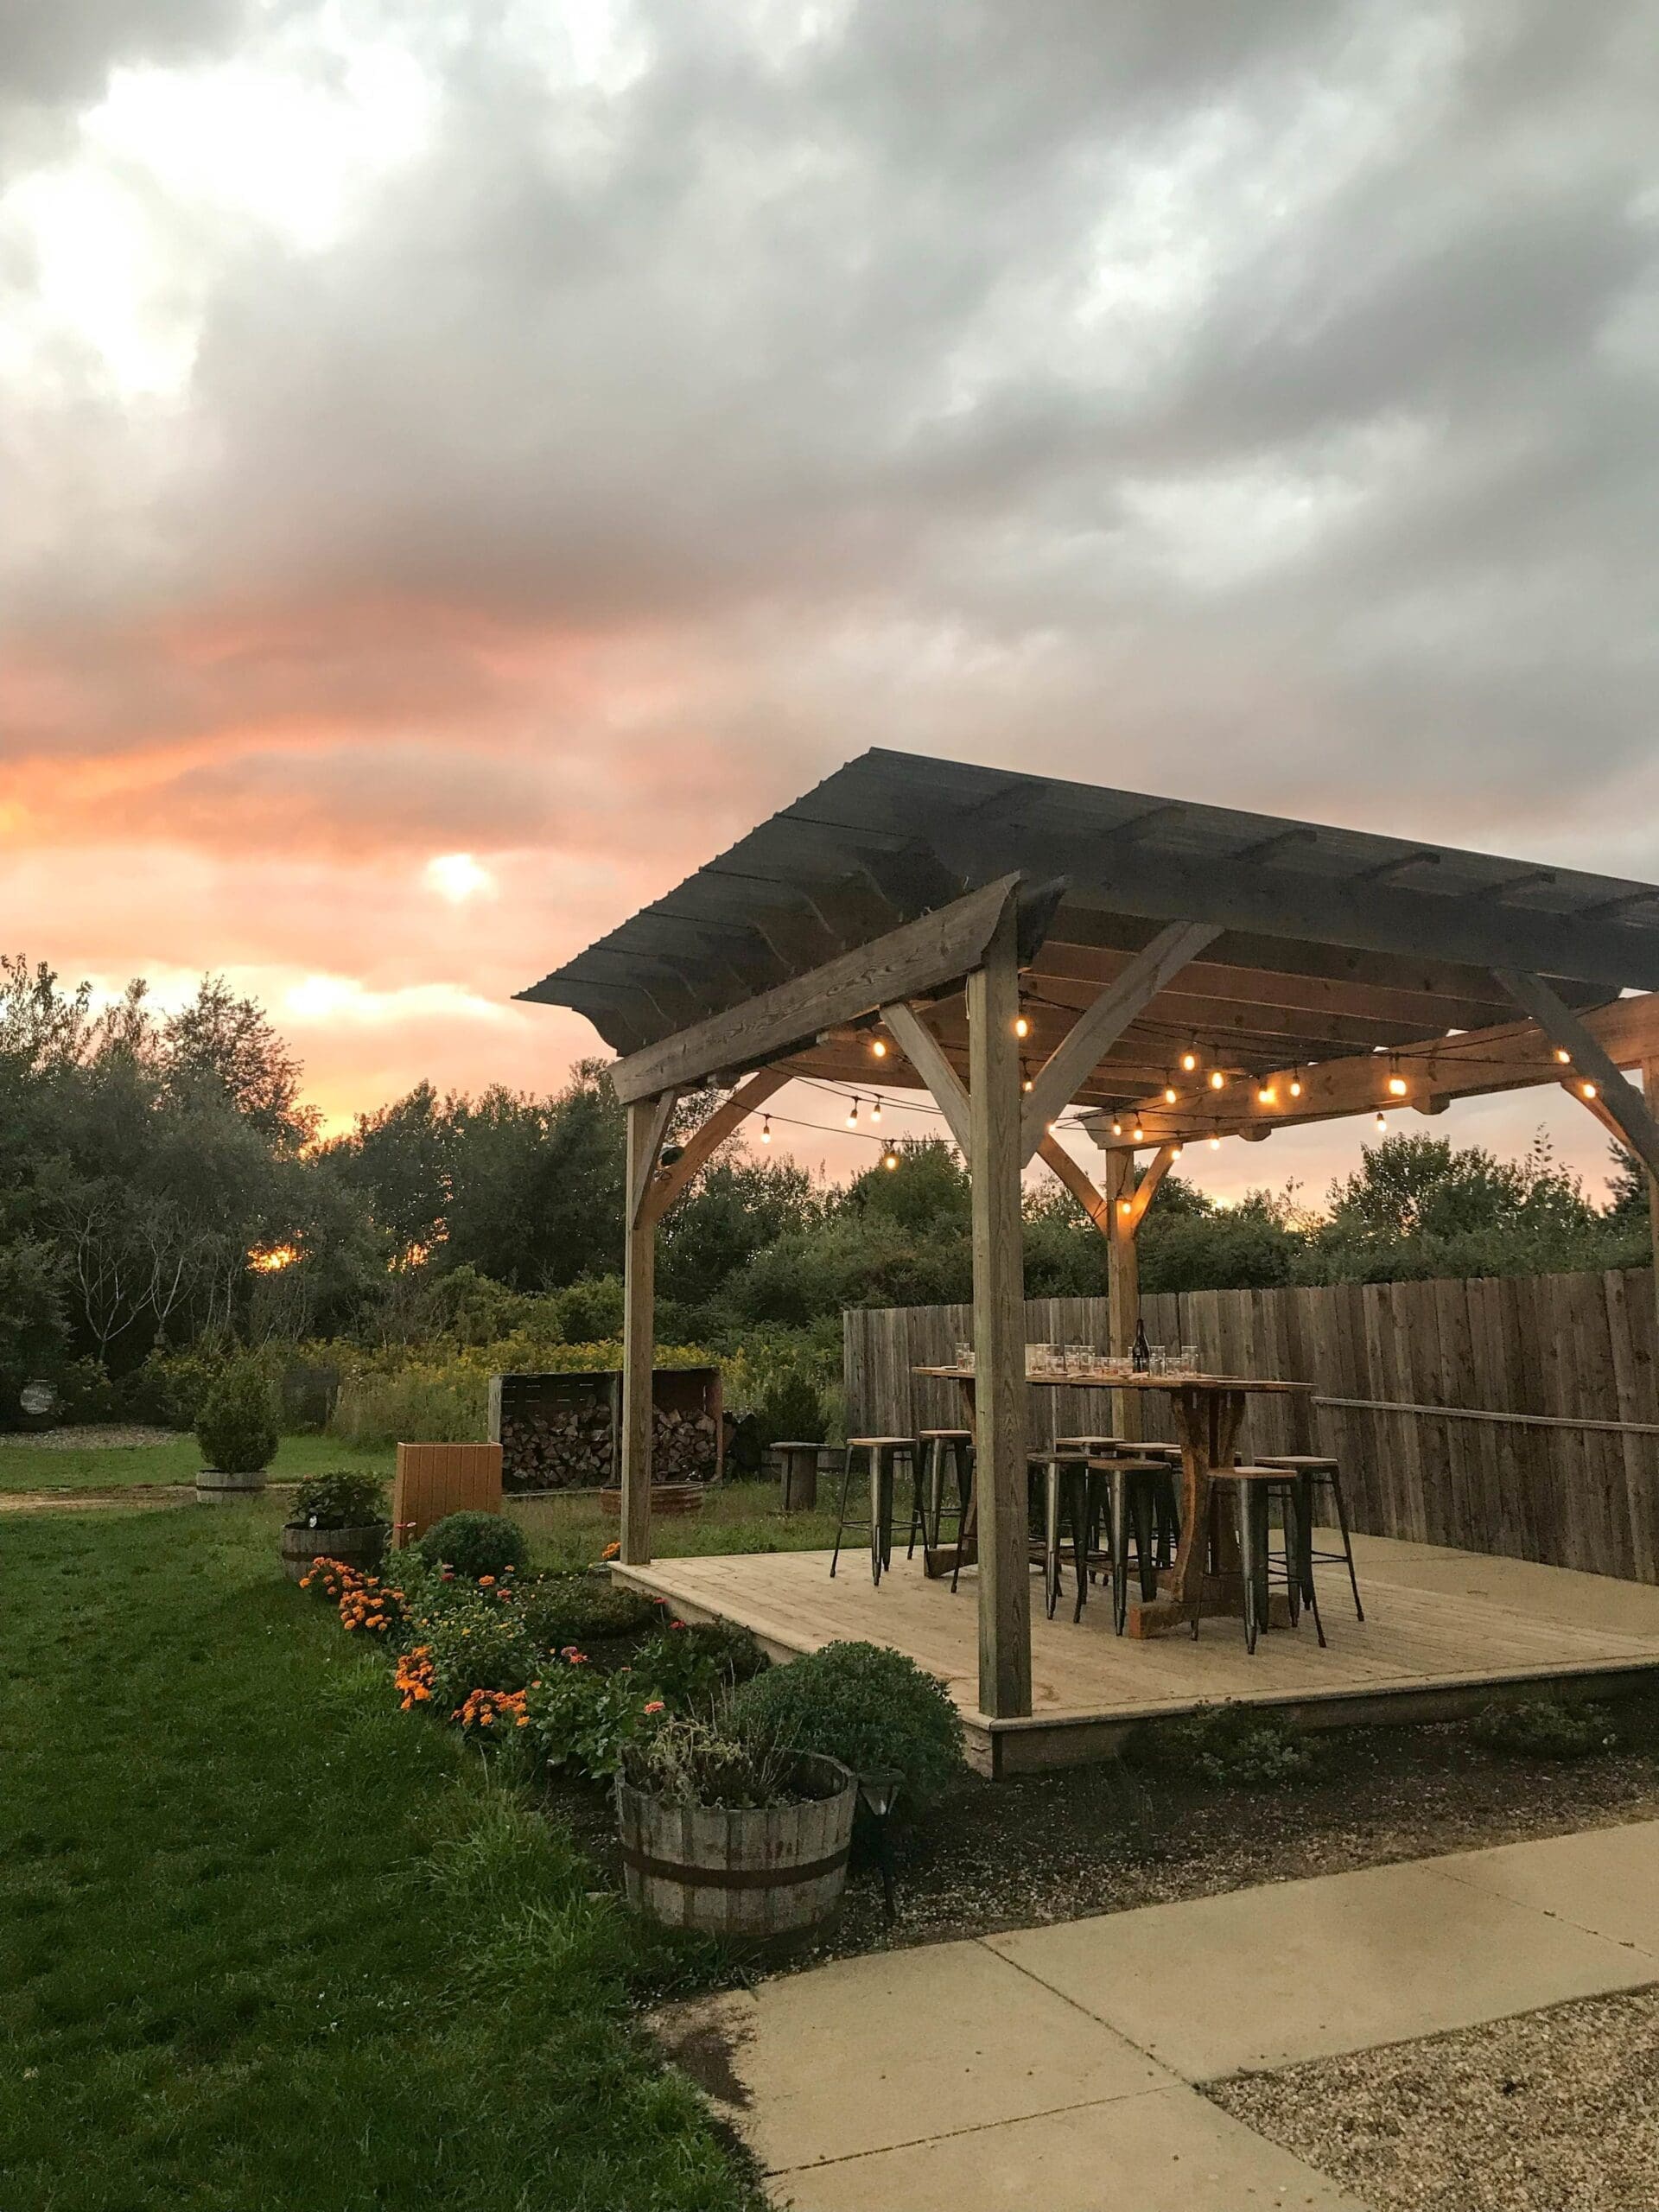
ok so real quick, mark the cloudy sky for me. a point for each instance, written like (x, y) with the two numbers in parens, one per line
(460, 465)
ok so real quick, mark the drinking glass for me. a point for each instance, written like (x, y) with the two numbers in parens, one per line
(964, 1355)
(1190, 1359)
(1158, 1359)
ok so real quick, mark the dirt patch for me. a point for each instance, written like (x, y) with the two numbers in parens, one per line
(118, 1436)
(1553, 2112)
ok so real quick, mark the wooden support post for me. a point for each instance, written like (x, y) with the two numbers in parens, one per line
(1122, 1283)
(646, 1122)
(1650, 1092)
(999, 1329)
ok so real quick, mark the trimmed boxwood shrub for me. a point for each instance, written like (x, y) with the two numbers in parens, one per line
(237, 1427)
(865, 1705)
(580, 1609)
(474, 1544)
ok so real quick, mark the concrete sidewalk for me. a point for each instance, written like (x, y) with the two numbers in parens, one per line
(1060, 2066)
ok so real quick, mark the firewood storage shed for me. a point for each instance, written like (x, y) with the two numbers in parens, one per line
(561, 1430)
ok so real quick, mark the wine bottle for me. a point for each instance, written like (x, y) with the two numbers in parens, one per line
(1141, 1355)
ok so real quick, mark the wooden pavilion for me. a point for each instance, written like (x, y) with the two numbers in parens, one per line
(1020, 947)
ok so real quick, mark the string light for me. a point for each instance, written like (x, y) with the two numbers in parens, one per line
(1397, 1085)
(1170, 1094)
(1139, 1132)
(1215, 1144)
(1587, 1091)
(1265, 1096)
(1021, 1026)
(1296, 1082)
(1190, 1057)
(766, 1128)
(1025, 1083)
(1125, 1205)
(875, 1109)
(889, 1158)
(1217, 1079)
(852, 1115)
(1177, 1149)
(1382, 1119)
(1118, 1125)
(879, 1047)
(1564, 1056)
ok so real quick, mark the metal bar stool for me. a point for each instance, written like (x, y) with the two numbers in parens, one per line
(1063, 1474)
(1254, 1491)
(881, 1455)
(934, 1448)
(1311, 1470)
(1127, 1493)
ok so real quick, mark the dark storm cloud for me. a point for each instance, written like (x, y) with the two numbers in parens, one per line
(1270, 388)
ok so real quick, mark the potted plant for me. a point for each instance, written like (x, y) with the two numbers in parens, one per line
(237, 1432)
(335, 1515)
(732, 1832)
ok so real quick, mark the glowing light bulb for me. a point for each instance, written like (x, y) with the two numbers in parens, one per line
(1190, 1057)
(1025, 1083)
(1265, 1096)
(889, 1158)
(1215, 1144)
(1177, 1149)
(766, 1128)
(1587, 1091)
(1217, 1079)
(1296, 1085)
(1124, 1206)
(1117, 1126)
(1170, 1094)
(1563, 1056)
(1382, 1119)
(875, 1111)
(852, 1115)
(878, 1046)
(1139, 1132)
(1396, 1086)
(1021, 1026)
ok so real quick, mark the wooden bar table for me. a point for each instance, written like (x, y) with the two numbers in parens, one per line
(1209, 1412)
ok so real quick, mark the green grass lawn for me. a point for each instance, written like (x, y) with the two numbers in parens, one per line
(32, 1467)
(737, 1517)
(270, 1943)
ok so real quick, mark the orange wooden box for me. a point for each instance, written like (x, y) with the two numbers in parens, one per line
(434, 1479)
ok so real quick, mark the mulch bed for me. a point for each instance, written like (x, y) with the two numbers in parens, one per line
(1132, 1832)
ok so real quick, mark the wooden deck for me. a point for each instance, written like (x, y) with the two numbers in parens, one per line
(1445, 1630)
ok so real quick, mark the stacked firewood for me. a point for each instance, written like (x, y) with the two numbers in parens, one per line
(558, 1447)
(572, 1447)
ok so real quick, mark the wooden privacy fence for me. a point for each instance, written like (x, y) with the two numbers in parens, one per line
(1510, 1414)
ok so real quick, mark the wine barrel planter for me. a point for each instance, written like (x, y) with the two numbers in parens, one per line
(363, 1547)
(665, 1497)
(749, 1876)
(213, 1488)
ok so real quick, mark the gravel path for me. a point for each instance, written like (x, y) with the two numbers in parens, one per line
(103, 1437)
(1553, 2112)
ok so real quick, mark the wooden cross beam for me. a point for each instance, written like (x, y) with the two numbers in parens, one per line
(1623, 1101)
(668, 1183)
(1097, 1029)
